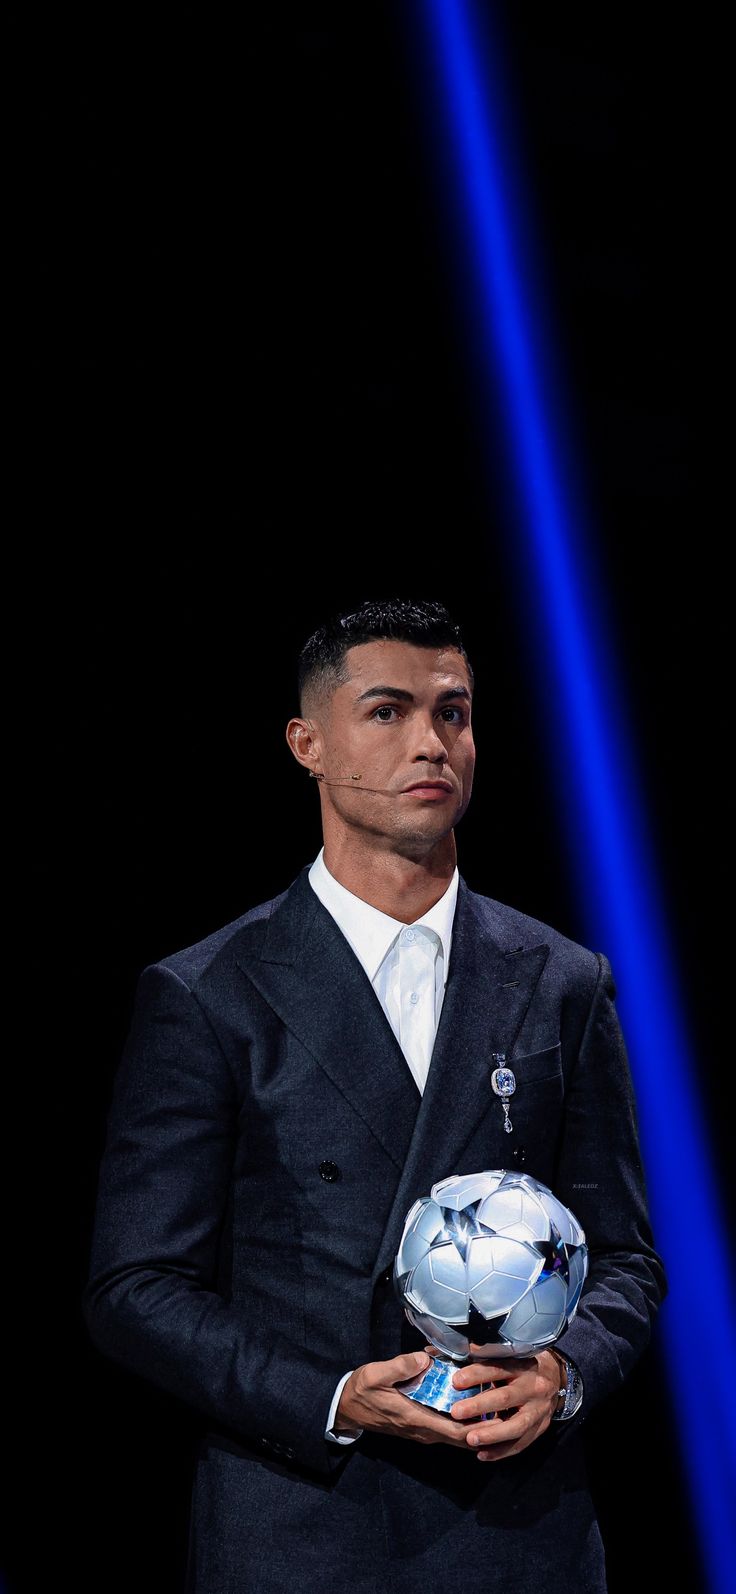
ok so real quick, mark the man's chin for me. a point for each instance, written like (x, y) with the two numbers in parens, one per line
(422, 832)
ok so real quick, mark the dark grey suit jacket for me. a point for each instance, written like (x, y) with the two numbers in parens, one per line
(226, 1270)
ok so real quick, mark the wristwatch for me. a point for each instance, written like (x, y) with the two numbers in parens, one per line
(571, 1394)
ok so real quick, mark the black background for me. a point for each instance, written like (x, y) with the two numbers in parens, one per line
(251, 402)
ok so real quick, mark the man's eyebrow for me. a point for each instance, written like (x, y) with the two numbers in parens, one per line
(403, 696)
(454, 691)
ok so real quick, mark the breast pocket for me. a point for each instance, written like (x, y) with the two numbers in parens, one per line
(533, 1068)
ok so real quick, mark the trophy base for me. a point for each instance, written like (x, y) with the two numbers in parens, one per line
(435, 1388)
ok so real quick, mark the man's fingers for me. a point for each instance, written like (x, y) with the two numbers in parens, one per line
(488, 1404)
(491, 1372)
(379, 1375)
(373, 1399)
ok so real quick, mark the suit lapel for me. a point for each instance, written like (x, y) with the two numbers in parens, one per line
(489, 989)
(310, 976)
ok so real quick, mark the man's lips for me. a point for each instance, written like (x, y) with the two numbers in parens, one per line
(439, 787)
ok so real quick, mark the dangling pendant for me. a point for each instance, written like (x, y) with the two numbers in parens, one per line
(503, 1082)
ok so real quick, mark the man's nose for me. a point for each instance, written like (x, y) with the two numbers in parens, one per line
(429, 745)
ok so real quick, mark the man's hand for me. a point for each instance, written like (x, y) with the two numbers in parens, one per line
(525, 1394)
(529, 1394)
(370, 1400)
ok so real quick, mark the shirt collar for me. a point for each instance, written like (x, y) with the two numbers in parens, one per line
(371, 932)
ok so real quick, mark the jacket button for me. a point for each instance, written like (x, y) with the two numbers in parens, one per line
(329, 1171)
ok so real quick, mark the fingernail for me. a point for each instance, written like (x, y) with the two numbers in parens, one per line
(420, 1360)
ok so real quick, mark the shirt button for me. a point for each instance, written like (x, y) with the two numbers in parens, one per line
(408, 937)
(413, 998)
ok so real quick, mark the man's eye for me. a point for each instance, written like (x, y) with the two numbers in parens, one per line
(448, 712)
(384, 712)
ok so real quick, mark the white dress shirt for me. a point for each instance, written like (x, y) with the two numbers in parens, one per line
(407, 965)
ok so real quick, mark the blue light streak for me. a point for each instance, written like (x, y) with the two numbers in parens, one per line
(593, 763)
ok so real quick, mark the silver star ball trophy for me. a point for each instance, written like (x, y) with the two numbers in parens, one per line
(490, 1260)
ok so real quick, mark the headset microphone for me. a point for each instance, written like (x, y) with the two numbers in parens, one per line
(313, 775)
(375, 791)
(350, 785)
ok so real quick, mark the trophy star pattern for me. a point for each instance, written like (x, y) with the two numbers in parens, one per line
(490, 1259)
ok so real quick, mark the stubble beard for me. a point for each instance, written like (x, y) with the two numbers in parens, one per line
(405, 836)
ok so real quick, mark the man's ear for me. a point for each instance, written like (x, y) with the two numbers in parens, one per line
(304, 740)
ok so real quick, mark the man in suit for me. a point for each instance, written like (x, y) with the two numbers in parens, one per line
(290, 1086)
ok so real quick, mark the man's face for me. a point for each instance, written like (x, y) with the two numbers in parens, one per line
(402, 722)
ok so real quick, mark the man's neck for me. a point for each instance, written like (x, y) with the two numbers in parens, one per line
(404, 888)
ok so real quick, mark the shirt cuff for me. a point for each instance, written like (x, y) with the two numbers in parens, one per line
(340, 1438)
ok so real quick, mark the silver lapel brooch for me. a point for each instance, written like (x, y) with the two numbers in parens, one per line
(503, 1081)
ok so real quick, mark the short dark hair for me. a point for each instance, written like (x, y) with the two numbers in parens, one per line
(423, 622)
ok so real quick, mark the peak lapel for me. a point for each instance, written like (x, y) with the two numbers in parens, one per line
(489, 989)
(310, 976)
